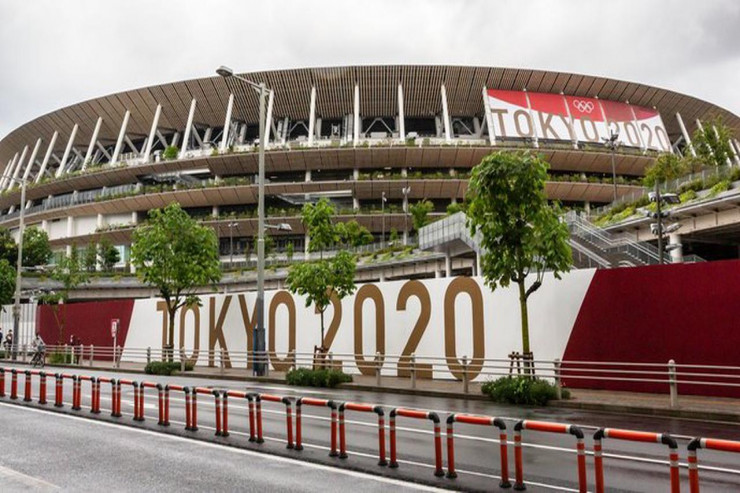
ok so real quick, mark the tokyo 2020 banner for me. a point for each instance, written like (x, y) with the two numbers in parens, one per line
(556, 117)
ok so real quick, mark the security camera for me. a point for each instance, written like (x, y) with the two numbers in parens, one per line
(671, 228)
(670, 198)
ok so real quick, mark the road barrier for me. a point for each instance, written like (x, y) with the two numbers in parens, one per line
(363, 408)
(85, 378)
(112, 382)
(42, 387)
(310, 401)
(124, 381)
(14, 384)
(27, 386)
(2, 382)
(166, 413)
(163, 404)
(635, 436)
(484, 421)
(95, 405)
(142, 386)
(546, 427)
(417, 414)
(288, 415)
(709, 444)
(225, 411)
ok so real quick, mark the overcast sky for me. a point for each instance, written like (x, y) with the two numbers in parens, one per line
(54, 53)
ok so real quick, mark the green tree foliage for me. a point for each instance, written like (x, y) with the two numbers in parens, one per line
(170, 152)
(7, 282)
(712, 143)
(353, 234)
(420, 213)
(521, 233)
(316, 219)
(289, 250)
(8, 247)
(108, 254)
(665, 167)
(176, 255)
(91, 257)
(36, 249)
(455, 207)
(70, 272)
(394, 235)
(318, 281)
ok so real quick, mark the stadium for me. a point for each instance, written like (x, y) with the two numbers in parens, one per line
(373, 139)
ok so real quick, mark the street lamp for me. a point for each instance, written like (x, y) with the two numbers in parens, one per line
(612, 144)
(382, 213)
(260, 364)
(657, 228)
(232, 225)
(19, 265)
(406, 191)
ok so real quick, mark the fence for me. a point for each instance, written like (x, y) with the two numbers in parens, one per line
(668, 378)
(646, 440)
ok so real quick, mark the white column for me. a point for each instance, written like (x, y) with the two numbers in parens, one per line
(732, 150)
(91, 146)
(308, 175)
(268, 119)
(535, 139)
(70, 226)
(188, 128)
(6, 172)
(47, 156)
(121, 135)
(17, 169)
(45, 226)
(401, 117)
(356, 120)
(685, 134)
(676, 253)
(152, 133)
(32, 159)
(489, 117)
(736, 150)
(445, 114)
(478, 264)
(227, 123)
(134, 218)
(100, 221)
(312, 116)
(448, 264)
(67, 150)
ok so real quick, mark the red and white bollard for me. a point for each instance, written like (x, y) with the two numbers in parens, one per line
(2, 382)
(363, 408)
(27, 387)
(14, 384)
(416, 414)
(484, 421)
(58, 390)
(42, 387)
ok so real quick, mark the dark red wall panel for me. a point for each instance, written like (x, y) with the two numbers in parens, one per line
(689, 313)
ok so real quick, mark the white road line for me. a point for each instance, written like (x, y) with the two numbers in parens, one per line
(312, 465)
(11, 475)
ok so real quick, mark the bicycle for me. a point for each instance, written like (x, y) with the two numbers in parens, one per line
(38, 358)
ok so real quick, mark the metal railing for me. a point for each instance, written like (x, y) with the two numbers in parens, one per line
(641, 376)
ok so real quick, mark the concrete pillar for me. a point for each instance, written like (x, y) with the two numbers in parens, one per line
(405, 172)
(45, 226)
(93, 140)
(448, 264)
(152, 133)
(134, 218)
(489, 117)
(121, 135)
(535, 139)
(445, 115)
(17, 170)
(214, 211)
(67, 150)
(188, 129)
(312, 116)
(47, 156)
(268, 118)
(356, 174)
(685, 134)
(401, 117)
(70, 226)
(242, 133)
(478, 271)
(227, 123)
(31, 160)
(355, 203)
(100, 221)
(308, 175)
(437, 273)
(8, 169)
(356, 119)
(676, 253)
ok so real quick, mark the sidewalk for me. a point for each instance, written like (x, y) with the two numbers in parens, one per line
(697, 407)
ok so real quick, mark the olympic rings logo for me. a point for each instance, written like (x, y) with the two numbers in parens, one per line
(583, 106)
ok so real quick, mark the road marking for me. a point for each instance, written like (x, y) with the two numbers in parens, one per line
(311, 465)
(11, 475)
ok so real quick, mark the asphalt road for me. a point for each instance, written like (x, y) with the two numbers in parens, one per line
(549, 460)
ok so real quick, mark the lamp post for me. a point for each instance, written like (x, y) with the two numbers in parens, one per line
(260, 364)
(19, 265)
(232, 225)
(382, 214)
(612, 144)
(406, 191)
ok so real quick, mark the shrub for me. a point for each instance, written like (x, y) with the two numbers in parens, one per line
(520, 390)
(165, 367)
(59, 358)
(170, 152)
(718, 188)
(687, 196)
(305, 377)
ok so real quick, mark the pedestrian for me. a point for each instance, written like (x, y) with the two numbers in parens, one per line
(9, 341)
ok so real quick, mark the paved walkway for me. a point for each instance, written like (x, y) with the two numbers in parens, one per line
(601, 400)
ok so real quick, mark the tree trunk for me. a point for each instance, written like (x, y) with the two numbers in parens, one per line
(525, 326)
(170, 352)
(322, 329)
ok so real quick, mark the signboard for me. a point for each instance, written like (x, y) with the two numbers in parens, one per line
(114, 327)
(555, 117)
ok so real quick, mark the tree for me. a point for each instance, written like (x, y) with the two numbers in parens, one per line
(394, 235)
(36, 249)
(70, 272)
(176, 255)
(8, 247)
(665, 167)
(318, 281)
(521, 233)
(91, 257)
(289, 250)
(712, 143)
(108, 254)
(319, 226)
(353, 234)
(420, 213)
(7, 282)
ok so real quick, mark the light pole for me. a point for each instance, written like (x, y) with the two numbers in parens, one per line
(232, 225)
(19, 265)
(260, 364)
(612, 144)
(382, 214)
(406, 191)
